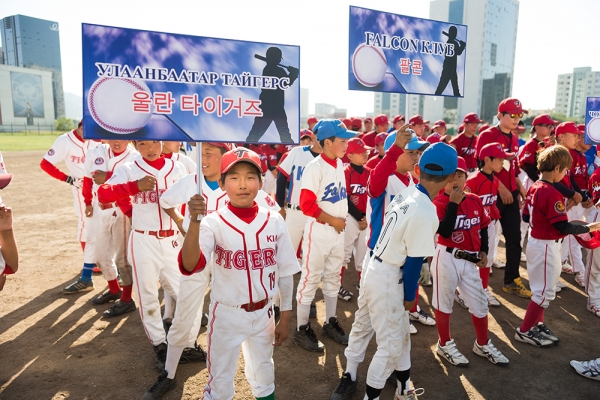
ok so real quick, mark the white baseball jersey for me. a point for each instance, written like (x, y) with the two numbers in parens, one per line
(188, 163)
(147, 214)
(328, 183)
(293, 167)
(408, 229)
(102, 158)
(73, 151)
(2, 166)
(249, 258)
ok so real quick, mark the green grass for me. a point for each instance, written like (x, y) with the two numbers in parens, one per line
(21, 141)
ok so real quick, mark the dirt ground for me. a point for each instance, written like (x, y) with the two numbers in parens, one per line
(54, 346)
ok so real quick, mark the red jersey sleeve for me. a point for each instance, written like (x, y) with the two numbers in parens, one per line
(308, 203)
(594, 186)
(87, 191)
(112, 193)
(51, 170)
(199, 267)
(379, 175)
(528, 154)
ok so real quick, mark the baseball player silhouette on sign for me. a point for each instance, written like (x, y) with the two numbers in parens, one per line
(449, 70)
(273, 100)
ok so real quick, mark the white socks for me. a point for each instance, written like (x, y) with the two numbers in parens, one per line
(302, 313)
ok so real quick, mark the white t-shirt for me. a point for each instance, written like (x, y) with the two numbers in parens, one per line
(73, 151)
(293, 167)
(328, 183)
(409, 228)
(248, 259)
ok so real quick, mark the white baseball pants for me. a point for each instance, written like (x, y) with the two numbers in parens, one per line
(570, 247)
(79, 206)
(322, 258)
(92, 224)
(543, 267)
(113, 229)
(295, 222)
(492, 243)
(448, 273)
(354, 242)
(381, 312)
(153, 259)
(592, 270)
(228, 328)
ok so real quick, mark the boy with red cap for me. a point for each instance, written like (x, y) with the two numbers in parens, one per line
(242, 286)
(466, 141)
(510, 189)
(398, 122)
(381, 125)
(312, 121)
(379, 152)
(356, 124)
(367, 124)
(545, 211)
(485, 185)
(355, 233)
(461, 250)
(418, 125)
(440, 127)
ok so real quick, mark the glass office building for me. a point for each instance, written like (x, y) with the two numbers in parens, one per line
(34, 43)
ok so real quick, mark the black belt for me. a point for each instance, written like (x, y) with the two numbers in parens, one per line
(378, 259)
(463, 255)
(293, 207)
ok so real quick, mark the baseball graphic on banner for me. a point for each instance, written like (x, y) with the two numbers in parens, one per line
(112, 103)
(593, 129)
(369, 65)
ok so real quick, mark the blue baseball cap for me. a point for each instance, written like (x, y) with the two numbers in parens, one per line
(327, 128)
(439, 159)
(414, 144)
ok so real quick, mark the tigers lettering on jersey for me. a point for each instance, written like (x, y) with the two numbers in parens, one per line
(357, 188)
(150, 197)
(259, 258)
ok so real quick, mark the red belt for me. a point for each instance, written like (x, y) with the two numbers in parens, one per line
(106, 206)
(259, 305)
(159, 234)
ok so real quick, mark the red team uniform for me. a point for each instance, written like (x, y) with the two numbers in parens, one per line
(354, 240)
(466, 147)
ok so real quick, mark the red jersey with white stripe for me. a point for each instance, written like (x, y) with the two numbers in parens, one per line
(510, 144)
(248, 258)
(293, 167)
(545, 206)
(486, 187)
(528, 154)
(470, 219)
(147, 213)
(69, 148)
(466, 147)
(102, 158)
(594, 186)
(356, 186)
(579, 169)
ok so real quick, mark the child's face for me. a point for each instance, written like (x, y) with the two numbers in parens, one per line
(569, 140)
(379, 148)
(211, 161)
(149, 149)
(171, 147)
(117, 146)
(241, 184)
(460, 178)
(358, 158)
(581, 145)
(406, 162)
(507, 122)
(306, 141)
(542, 131)
(418, 129)
(338, 147)
(495, 164)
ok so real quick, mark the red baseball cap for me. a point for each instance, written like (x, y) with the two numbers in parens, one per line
(5, 180)
(398, 118)
(312, 120)
(306, 133)
(434, 137)
(356, 146)
(598, 147)
(543, 119)
(367, 120)
(381, 119)
(440, 122)
(471, 118)
(494, 150)
(462, 165)
(416, 120)
(356, 123)
(380, 138)
(483, 127)
(240, 154)
(347, 122)
(226, 146)
(511, 106)
(581, 127)
(461, 128)
(568, 127)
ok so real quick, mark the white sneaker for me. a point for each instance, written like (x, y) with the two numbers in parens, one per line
(492, 301)
(413, 329)
(451, 354)
(567, 268)
(533, 337)
(459, 299)
(422, 317)
(594, 310)
(490, 352)
(580, 278)
(498, 264)
(560, 286)
(523, 257)
(589, 369)
(409, 394)
(491, 270)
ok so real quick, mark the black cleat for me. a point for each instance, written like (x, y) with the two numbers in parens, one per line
(335, 331)
(106, 297)
(160, 387)
(119, 308)
(345, 389)
(307, 338)
(160, 355)
(192, 354)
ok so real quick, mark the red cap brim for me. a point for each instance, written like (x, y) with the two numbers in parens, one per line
(5, 180)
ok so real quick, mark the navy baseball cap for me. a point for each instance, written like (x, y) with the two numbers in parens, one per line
(439, 159)
(327, 128)
(414, 144)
